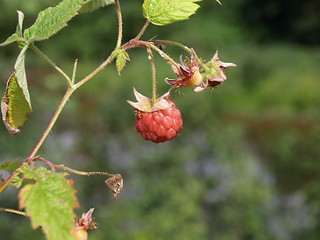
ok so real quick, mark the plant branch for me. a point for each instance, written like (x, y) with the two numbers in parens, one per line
(13, 211)
(120, 23)
(46, 58)
(53, 120)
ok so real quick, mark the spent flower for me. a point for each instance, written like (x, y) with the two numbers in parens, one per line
(82, 225)
(197, 74)
(213, 73)
(189, 74)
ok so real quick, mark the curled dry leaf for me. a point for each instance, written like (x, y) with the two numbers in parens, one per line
(14, 106)
(115, 184)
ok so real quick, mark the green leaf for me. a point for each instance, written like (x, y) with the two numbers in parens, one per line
(17, 36)
(20, 74)
(16, 181)
(92, 5)
(13, 38)
(52, 20)
(14, 106)
(10, 166)
(122, 58)
(163, 12)
(25, 168)
(49, 203)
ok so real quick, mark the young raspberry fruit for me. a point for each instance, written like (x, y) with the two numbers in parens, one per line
(156, 121)
(82, 225)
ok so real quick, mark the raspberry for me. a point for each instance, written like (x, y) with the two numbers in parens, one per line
(156, 120)
(159, 126)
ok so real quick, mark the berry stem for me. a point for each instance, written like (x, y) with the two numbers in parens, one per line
(139, 43)
(187, 49)
(61, 166)
(153, 70)
(13, 211)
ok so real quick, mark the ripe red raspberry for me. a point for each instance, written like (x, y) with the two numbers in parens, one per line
(156, 121)
(159, 126)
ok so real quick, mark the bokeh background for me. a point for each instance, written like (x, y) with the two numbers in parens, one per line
(246, 164)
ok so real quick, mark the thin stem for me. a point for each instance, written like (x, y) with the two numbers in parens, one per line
(136, 43)
(94, 72)
(13, 211)
(153, 70)
(61, 166)
(119, 15)
(143, 29)
(45, 57)
(189, 50)
(53, 120)
(173, 43)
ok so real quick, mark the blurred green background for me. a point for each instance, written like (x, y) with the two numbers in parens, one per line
(246, 164)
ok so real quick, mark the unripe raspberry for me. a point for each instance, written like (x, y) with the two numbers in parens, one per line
(82, 225)
(79, 233)
(156, 121)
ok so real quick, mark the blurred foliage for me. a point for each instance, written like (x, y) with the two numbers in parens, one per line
(245, 165)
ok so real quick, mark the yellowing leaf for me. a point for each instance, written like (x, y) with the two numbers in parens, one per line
(49, 203)
(14, 106)
(163, 12)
